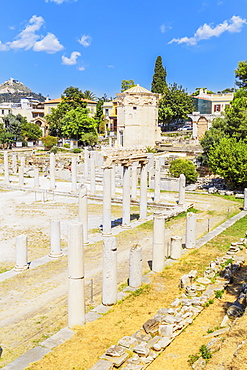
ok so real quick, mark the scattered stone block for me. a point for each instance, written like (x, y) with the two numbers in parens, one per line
(153, 341)
(203, 280)
(102, 365)
(127, 342)
(116, 361)
(176, 302)
(166, 330)
(115, 351)
(151, 326)
(161, 344)
(142, 336)
(141, 350)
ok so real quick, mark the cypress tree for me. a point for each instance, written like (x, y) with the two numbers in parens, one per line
(159, 78)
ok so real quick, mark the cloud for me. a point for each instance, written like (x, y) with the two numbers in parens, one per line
(57, 1)
(29, 39)
(110, 66)
(82, 68)
(206, 31)
(164, 28)
(85, 40)
(72, 60)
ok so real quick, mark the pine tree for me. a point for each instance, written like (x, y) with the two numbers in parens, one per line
(159, 78)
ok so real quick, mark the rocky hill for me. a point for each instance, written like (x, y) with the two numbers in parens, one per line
(13, 90)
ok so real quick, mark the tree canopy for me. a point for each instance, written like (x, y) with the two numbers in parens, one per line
(159, 84)
(241, 74)
(184, 166)
(175, 104)
(127, 84)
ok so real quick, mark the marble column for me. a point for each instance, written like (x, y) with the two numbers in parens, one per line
(76, 299)
(143, 192)
(190, 238)
(109, 271)
(22, 161)
(181, 185)
(157, 181)
(106, 201)
(21, 175)
(14, 163)
(92, 176)
(86, 160)
(74, 174)
(176, 247)
(113, 185)
(21, 253)
(52, 171)
(134, 180)
(245, 199)
(6, 166)
(126, 197)
(158, 260)
(55, 239)
(36, 177)
(135, 267)
(83, 211)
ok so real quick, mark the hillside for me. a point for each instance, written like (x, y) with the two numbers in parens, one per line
(13, 90)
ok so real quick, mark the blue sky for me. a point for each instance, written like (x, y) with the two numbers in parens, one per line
(52, 44)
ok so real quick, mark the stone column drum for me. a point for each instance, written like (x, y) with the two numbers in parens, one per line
(181, 185)
(135, 267)
(159, 254)
(55, 239)
(126, 198)
(143, 193)
(76, 300)
(190, 238)
(83, 211)
(109, 271)
(21, 253)
(176, 247)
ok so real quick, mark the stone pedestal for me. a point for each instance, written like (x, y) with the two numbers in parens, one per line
(74, 174)
(126, 198)
(157, 181)
(176, 247)
(55, 239)
(83, 211)
(245, 199)
(190, 239)
(107, 201)
(92, 176)
(76, 300)
(109, 272)
(143, 193)
(135, 267)
(21, 253)
(158, 260)
(6, 167)
(181, 184)
(52, 171)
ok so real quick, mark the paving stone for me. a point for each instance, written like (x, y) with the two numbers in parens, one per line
(153, 341)
(115, 351)
(161, 344)
(102, 309)
(203, 280)
(141, 350)
(127, 342)
(58, 338)
(92, 316)
(35, 354)
(116, 361)
(217, 332)
(102, 365)
(166, 330)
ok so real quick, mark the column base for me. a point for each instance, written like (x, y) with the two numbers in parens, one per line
(126, 226)
(19, 269)
(107, 234)
(55, 255)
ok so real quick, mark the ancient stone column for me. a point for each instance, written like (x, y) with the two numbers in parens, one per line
(83, 211)
(113, 185)
(52, 171)
(14, 163)
(176, 247)
(76, 300)
(36, 177)
(126, 198)
(190, 238)
(181, 184)
(21, 175)
(92, 176)
(86, 160)
(106, 201)
(143, 193)
(22, 161)
(135, 267)
(245, 199)
(74, 174)
(21, 253)
(158, 260)
(110, 141)
(55, 239)
(134, 180)
(6, 166)
(157, 181)
(109, 271)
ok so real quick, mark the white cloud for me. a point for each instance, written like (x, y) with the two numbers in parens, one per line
(29, 39)
(57, 1)
(49, 44)
(82, 68)
(110, 66)
(85, 40)
(206, 31)
(72, 60)
(164, 28)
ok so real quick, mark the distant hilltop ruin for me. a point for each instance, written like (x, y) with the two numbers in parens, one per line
(12, 91)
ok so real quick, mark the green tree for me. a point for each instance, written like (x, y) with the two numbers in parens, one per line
(213, 136)
(89, 95)
(229, 159)
(74, 97)
(77, 122)
(175, 104)
(184, 166)
(197, 91)
(49, 141)
(159, 84)
(13, 125)
(30, 131)
(127, 84)
(241, 74)
(90, 138)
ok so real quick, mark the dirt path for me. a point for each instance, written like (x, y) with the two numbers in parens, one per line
(34, 303)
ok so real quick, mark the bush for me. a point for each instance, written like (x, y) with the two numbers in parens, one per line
(49, 141)
(54, 149)
(186, 167)
(76, 150)
(66, 145)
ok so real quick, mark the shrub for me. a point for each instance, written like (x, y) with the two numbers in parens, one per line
(66, 145)
(49, 141)
(186, 167)
(76, 150)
